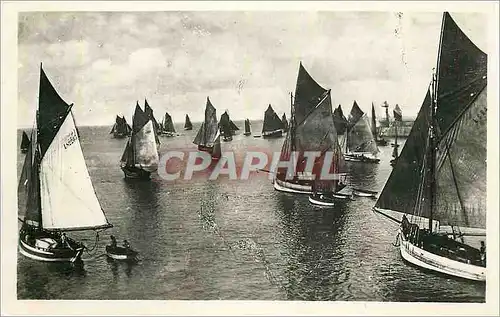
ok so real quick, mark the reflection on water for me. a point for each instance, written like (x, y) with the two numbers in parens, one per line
(235, 240)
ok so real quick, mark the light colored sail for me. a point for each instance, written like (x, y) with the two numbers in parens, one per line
(68, 200)
(145, 150)
(361, 139)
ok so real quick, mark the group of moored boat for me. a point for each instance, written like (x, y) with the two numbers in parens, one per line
(430, 190)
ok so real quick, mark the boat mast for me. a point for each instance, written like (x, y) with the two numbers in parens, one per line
(292, 124)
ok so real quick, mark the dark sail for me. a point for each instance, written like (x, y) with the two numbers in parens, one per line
(209, 129)
(25, 142)
(374, 123)
(233, 126)
(360, 138)
(188, 125)
(460, 160)
(285, 122)
(247, 126)
(308, 93)
(29, 184)
(271, 121)
(52, 112)
(355, 115)
(149, 112)
(168, 125)
(121, 128)
(340, 120)
(225, 125)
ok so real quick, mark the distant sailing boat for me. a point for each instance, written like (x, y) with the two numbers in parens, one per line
(359, 143)
(311, 129)
(140, 157)
(247, 127)
(167, 126)
(273, 126)
(120, 129)
(398, 117)
(378, 139)
(25, 143)
(285, 122)
(225, 127)
(208, 136)
(188, 125)
(233, 126)
(437, 189)
(59, 193)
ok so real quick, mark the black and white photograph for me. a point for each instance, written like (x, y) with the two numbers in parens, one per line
(285, 154)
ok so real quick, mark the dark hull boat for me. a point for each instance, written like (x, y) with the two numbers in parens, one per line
(208, 136)
(25, 143)
(379, 140)
(437, 188)
(120, 129)
(226, 127)
(55, 157)
(140, 157)
(167, 126)
(247, 128)
(273, 126)
(121, 253)
(311, 129)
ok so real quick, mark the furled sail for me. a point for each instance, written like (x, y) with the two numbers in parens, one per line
(271, 121)
(188, 125)
(168, 125)
(209, 129)
(360, 138)
(460, 141)
(59, 185)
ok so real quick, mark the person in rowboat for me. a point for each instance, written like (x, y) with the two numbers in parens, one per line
(113, 241)
(126, 245)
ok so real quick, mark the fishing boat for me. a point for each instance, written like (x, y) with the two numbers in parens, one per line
(358, 143)
(273, 126)
(364, 193)
(121, 129)
(59, 194)
(398, 117)
(121, 253)
(247, 128)
(188, 125)
(285, 122)
(225, 127)
(379, 140)
(311, 129)
(321, 200)
(167, 126)
(437, 189)
(208, 136)
(140, 157)
(25, 143)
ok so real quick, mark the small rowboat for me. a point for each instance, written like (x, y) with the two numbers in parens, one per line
(341, 196)
(321, 200)
(120, 253)
(364, 193)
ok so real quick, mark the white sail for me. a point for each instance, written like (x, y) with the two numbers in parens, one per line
(145, 150)
(68, 200)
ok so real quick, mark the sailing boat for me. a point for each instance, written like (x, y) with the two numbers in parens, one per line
(378, 141)
(25, 143)
(398, 117)
(208, 136)
(225, 127)
(140, 157)
(311, 129)
(359, 143)
(437, 189)
(273, 126)
(188, 125)
(232, 126)
(60, 196)
(285, 122)
(247, 127)
(120, 129)
(167, 126)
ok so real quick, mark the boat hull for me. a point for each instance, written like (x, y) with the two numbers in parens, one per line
(209, 150)
(272, 134)
(50, 255)
(247, 133)
(135, 173)
(427, 260)
(320, 202)
(361, 158)
(364, 193)
(122, 254)
(292, 188)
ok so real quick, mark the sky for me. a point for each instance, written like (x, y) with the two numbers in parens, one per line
(103, 62)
